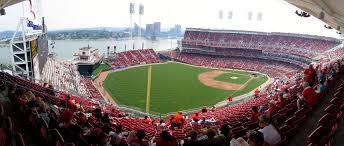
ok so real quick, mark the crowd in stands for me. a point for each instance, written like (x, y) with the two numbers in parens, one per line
(308, 46)
(252, 53)
(133, 57)
(271, 68)
(63, 75)
(93, 91)
(53, 117)
(336, 54)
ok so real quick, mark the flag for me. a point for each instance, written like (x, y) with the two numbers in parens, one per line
(31, 11)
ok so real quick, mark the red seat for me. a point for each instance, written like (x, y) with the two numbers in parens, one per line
(179, 134)
(3, 138)
(55, 138)
(327, 120)
(239, 131)
(18, 140)
(337, 100)
(332, 109)
(319, 135)
(7, 125)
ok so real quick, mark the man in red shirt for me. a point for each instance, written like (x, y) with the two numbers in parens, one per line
(196, 117)
(147, 120)
(309, 96)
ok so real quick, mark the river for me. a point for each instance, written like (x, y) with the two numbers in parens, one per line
(66, 48)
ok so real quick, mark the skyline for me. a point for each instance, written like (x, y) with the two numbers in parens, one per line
(277, 15)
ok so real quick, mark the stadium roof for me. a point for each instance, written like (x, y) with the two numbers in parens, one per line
(6, 3)
(329, 11)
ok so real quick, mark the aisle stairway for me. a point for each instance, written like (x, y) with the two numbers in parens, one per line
(303, 133)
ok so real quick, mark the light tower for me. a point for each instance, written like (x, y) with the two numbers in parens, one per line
(26, 42)
(141, 12)
(132, 12)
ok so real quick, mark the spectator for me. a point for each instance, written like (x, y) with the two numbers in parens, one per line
(166, 140)
(213, 109)
(256, 93)
(255, 114)
(43, 112)
(203, 135)
(204, 109)
(161, 125)
(66, 118)
(147, 120)
(196, 117)
(321, 87)
(256, 138)
(177, 120)
(106, 118)
(193, 141)
(309, 96)
(207, 121)
(225, 136)
(118, 137)
(286, 94)
(138, 139)
(210, 141)
(280, 101)
(271, 108)
(72, 106)
(271, 135)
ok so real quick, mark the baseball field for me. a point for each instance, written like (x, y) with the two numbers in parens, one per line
(175, 87)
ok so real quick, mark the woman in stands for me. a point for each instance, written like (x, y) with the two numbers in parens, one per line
(255, 114)
(270, 133)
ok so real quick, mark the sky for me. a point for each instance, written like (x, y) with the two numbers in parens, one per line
(277, 15)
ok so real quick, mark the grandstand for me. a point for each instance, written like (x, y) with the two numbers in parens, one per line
(304, 104)
(133, 57)
(235, 116)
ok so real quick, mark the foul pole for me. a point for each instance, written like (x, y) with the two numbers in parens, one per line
(149, 80)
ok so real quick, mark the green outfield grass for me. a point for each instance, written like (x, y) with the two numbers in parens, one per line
(175, 87)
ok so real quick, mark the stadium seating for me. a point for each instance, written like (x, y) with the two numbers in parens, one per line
(273, 69)
(56, 132)
(286, 117)
(258, 40)
(132, 57)
(64, 76)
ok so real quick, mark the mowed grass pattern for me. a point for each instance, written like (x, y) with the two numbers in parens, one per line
(175, 87)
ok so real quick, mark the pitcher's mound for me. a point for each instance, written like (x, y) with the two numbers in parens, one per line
(234, 78)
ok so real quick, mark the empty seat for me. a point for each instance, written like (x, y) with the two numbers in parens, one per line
(18, 140)
(332, 109)
(327, 120)
(55, 138)
(3, 138)
(319, 135)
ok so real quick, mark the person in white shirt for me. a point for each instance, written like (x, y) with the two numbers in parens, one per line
(271, 135)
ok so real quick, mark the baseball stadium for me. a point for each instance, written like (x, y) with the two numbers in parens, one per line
(218, 87)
